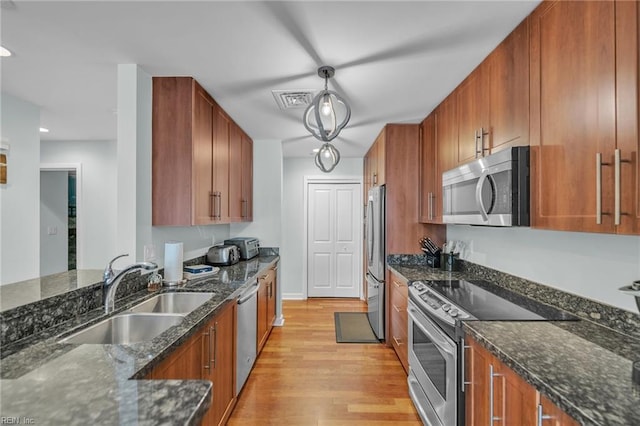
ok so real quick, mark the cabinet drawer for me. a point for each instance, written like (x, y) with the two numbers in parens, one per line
(399, 335)
(398, 284)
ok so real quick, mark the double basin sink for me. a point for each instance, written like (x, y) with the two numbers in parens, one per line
(143, 321)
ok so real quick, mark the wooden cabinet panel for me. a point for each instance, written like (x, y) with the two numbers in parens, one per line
(429, 186)
(220, 185)
(381, 158)
(446, 134)
(515, 402)
(552, 415)
(235, 173)
(477, 361)
(398, 318)
(219, 349)
(628, 113)
(196, 146)
(572, 104)
(184, 363)
(247, 179)
(508, 67)
(473, 115)
(266, 306)
(271, 298)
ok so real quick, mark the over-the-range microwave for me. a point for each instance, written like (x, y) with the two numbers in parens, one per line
(491, 191)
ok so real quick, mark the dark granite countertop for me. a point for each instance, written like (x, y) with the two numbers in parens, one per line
(47, 382)
(582, 366)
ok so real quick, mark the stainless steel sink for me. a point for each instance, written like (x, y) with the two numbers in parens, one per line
(125, 328)
(173, 303)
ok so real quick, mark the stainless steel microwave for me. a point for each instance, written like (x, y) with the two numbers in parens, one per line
(491, 191)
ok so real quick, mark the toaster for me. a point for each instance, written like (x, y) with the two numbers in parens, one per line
(223, 255)
(249, 246)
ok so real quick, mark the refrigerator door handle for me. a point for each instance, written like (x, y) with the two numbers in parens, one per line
(370, 235)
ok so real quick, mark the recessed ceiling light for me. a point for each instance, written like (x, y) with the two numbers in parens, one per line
(4, 51)
(44, 130)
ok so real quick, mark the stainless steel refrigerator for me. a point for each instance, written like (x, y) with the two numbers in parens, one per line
(376, 259)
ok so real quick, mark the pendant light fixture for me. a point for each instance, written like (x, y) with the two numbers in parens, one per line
(324, 118)
(328, 112)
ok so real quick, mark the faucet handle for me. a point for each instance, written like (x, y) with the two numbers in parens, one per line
(108, 271)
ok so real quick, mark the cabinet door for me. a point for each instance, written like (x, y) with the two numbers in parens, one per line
(271, 299)
(399, 322)
(203, 156)
(429, 189)
(247, 179)
(219, 350)
(220, 184)
(446, 145)
(552, 415)
(572, 104)
(263, 301)
(628, 113)
(184, 363)
(381, 151)
(473, 115)
(477, 361)
(509, 86)
(514, 399)
(235, 173)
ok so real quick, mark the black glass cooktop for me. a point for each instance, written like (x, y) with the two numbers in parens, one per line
(489, 302)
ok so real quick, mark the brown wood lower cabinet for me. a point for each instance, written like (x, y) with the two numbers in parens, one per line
(496, 394)
(208, 355)
(398, 316)
(266, 305)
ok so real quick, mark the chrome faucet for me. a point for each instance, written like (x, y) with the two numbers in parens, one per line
(111, 280)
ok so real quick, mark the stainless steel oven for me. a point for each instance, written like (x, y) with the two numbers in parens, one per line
(433, 372)
(435, 343)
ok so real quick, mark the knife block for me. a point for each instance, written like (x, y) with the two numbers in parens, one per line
(433, 261)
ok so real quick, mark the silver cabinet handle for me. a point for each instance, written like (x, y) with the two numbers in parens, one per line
(219, 212)
(462, 362)
(430, 206)
(616, 214)
(541, 416)
(599, 164)
(482, 135)
(477, 137)
(214, 331)
(492, 417)
(207, 366)
(212, 203)
(243, 208)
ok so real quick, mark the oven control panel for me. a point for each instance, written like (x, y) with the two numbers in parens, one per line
(437, 304)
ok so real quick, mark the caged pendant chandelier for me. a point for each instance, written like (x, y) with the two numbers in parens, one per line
(324, 118)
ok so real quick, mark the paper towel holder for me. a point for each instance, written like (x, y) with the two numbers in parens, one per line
(173, 264)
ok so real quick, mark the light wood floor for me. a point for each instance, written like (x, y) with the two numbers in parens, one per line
(303, 377)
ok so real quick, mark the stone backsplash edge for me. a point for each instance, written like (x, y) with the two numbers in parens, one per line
(612, 317)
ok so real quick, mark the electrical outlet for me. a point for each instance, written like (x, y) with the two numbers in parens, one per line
(149, 253)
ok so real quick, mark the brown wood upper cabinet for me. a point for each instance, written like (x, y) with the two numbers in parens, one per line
(196, 155)
(584, 117)
(495, 393)
(493, 101)
(374, 162)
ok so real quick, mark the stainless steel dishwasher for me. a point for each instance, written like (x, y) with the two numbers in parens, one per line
(247, 334)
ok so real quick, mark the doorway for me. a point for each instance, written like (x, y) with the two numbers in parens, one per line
(59, 218)
(334, 238)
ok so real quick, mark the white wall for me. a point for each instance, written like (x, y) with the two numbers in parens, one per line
(96, 239)
(54, 222)
(590, 265)
(20, 196)
(292, 249)
(267, 195)
(134, 229)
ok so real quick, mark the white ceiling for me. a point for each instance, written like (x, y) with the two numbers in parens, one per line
(395, 61)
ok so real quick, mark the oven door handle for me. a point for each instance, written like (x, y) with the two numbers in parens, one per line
(479, 202)
(441, 342)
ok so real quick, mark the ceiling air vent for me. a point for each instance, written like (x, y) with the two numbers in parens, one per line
(288, 99)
